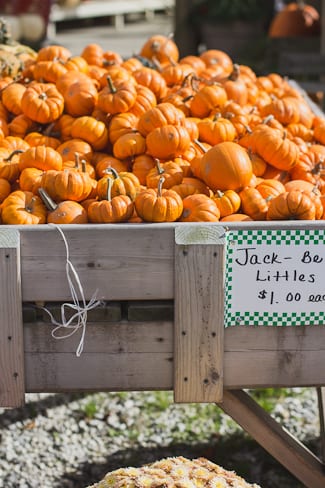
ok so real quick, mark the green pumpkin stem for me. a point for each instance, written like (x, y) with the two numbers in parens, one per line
(47, 200)
(160, 185)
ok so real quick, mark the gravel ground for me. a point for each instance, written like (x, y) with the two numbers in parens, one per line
(73, 440)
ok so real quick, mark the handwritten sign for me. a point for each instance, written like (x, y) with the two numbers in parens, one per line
(275, 277)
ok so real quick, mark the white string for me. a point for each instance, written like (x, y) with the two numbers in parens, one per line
(80, 316)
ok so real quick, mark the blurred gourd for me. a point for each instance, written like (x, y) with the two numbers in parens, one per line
(13, 55)
(295, 19)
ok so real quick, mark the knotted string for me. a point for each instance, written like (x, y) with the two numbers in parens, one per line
(79, 318)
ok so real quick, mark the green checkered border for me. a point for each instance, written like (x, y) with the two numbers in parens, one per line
(268, 236)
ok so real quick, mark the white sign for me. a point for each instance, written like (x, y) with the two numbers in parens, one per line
(275, 277)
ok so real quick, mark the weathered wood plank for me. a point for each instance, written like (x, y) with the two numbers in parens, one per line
(12, 383)
(199, 312)
(253, 358)
(116, 263)
(274, 438)
(98, 372)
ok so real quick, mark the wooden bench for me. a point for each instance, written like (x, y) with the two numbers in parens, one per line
(116, 10)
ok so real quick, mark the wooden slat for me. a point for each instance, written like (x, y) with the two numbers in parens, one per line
(254, 357)
(12, 383)
(274, 356)
(120, 263)
(116, 357)
(98, 372)
(301, 462)
(199, 312)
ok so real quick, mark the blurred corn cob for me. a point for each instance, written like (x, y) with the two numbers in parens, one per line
(174, 472)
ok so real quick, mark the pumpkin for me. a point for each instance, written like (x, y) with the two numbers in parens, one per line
(236, 217)
(235, 86)
(253, 203)
(65, 212)
(199, 208)
(274, 147)
(123, 183)
(116, 98)
(30, 179)
(106, 162)
(153, 80)
(67, 184)
(111, 210)
(141, 166)
(5, 189)
(168, 142)
(42, 102)
(145, 100)
(90, 130)
(68, 149)
(79, 93)
(225, 166)
(208, 98)
(171, 171)
(161, 48)
(20, 125)
(53, 51)
(23, 208)
(41, 157)
(9, 164)
(49, 70)
(216, 129)
(228, 202)
(12, 96)
(294, 20)
(164, 113)
(129, 145)
(291, 205)
(217, 57)
(121, 124)
(158, 204)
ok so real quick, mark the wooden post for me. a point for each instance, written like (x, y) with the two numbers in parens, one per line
(199, 313)
(12, 381)
(185, 37)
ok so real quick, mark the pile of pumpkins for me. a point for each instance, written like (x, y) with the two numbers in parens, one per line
(95, 138)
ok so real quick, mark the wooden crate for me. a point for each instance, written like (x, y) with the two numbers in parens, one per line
(189, 352)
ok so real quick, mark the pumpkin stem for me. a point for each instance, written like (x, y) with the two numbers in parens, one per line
(11, 155)
(42, 96)
(268, 119)
(200, 145)
(159, 168)
(109, 189)
(219, 193)
(216, 116)
(47, 200)
(112, 171)
(160, 185)
(318, 169)
(110, 84)
(76, 160)
(234, 75)
(29, 207)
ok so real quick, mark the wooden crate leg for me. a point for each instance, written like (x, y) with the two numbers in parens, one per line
(12, 381)
(284, 447)
(199, 314)
(321, 408)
